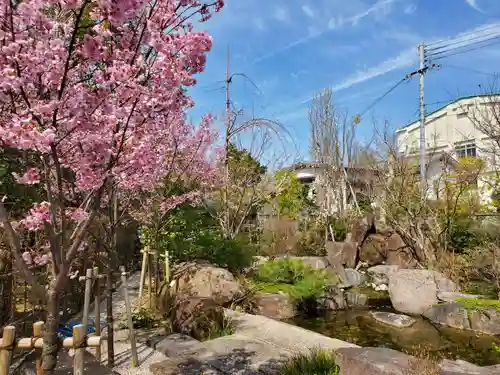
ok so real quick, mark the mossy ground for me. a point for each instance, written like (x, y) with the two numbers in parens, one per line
(479, 303)
(371, 293)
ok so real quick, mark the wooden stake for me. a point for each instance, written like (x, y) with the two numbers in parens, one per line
(9, 333)
(78, 341)
(143, 270)
(38, 333)
(150, 280)
(133, 347)
(167, 267)
(86, 303)
(97, 312)
(109, 314)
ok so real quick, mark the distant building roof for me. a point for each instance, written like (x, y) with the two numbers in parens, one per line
(446, 105)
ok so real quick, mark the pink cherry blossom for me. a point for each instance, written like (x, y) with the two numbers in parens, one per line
(31, 177)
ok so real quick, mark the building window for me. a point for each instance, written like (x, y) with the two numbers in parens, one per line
(464, 150)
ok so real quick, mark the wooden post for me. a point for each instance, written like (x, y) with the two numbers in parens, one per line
(38, 333)
(97, 312)
(133, 348)
(9, 333)
(145, 252)
(167, 267)
(79, 347)
(150, 280)
(86, 303)
(109, 314)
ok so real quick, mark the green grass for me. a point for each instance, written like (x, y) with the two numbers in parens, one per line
(293, 277)
(318, 362)
(226, 328)
(479, 303)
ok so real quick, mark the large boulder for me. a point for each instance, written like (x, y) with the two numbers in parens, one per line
(381, 273)
(398, 253)
(341, 254)
(361, 229)
(275, 306)
(414, 291)
(354, 277)
(197, 317)
(455, 315)
(205, 281)
(382, 361)
(373, 251)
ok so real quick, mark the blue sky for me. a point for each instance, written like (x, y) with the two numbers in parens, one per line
(291, 49)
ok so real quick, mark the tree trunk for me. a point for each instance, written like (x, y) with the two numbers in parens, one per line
(6, 287)
(51, 342)
(109, 312)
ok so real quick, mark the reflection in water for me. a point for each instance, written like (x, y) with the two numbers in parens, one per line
(358, 327)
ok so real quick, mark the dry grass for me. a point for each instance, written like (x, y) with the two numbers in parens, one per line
(422, 363)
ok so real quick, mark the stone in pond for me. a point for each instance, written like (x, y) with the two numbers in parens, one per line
(453, 296)
(354, 277)
(380, 274)
(395, 320)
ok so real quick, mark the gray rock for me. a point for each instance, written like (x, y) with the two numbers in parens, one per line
(414, 291)
(275, 306)
(453, 296)
(456, 316)
(381, 361)
(318, 263)
(380, 274)
(395, 320)
(354, 277)
(333, 299)
(341, 253)
(356, 299)
(178, 345)
(374, 361)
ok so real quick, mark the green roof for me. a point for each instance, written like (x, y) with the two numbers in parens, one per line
(446, 105)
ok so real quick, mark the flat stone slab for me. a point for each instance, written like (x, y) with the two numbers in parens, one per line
(182, 367)
(453, 296)
(240, 354)
(286, 336)
(177, 345)
(395, 320)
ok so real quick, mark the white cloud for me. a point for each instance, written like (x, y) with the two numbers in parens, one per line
(308, 11)
(410, 9)
(473, 4)
(404, 59)
(259, 23)
(336, 23)
(379, 6)
(281, 14)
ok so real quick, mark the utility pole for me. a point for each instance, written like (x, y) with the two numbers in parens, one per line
(423, 179)
(423, 68)
(227, 144)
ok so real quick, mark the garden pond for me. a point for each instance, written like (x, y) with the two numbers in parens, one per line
(357, 326)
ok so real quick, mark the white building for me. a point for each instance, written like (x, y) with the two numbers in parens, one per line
(452, 131)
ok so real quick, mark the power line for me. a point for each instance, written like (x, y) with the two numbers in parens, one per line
(383, 96)
(463, 35)
(467, 50)
(469, 69)
(459, 48)
(496, 33)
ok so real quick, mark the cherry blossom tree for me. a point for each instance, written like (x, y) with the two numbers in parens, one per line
(97, 91)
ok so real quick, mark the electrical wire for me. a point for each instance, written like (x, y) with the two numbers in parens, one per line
(463, 35)
(466, 50)
(496, 33)
(469, 69)
(382, 96)
(464, 46)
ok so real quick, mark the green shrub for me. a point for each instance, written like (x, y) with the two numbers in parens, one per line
(142, 319)
(190, 233)
(292, 276)
(318, 362)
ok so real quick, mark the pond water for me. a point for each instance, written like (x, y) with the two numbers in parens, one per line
(358, 327)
